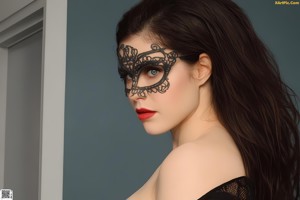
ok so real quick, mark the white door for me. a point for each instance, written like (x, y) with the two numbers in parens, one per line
(32, 81)
(23, 117)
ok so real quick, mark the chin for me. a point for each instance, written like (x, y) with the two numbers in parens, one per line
(155, 130)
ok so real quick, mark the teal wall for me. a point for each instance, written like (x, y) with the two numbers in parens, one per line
(107, 154)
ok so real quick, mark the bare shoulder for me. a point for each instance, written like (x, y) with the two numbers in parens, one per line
(194, 168)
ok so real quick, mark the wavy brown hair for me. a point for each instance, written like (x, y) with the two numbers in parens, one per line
(252, 102)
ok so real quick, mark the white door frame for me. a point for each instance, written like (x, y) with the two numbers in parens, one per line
(51, 17)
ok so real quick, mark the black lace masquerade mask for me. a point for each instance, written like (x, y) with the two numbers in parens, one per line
(146, 72)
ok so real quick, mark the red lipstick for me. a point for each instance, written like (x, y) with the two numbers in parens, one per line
(144, 113)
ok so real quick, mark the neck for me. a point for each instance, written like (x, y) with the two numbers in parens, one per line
(198, 123)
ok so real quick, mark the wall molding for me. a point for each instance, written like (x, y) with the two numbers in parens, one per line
(22, 29)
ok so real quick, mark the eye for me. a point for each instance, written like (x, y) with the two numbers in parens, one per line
(152, 71)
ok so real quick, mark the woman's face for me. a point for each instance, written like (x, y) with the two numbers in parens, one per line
(160, 87)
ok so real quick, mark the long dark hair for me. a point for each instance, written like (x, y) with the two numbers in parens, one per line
(251, 100)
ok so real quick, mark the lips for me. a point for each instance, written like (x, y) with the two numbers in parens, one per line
(144, 113)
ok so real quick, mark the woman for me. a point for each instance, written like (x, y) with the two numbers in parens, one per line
(197, 68)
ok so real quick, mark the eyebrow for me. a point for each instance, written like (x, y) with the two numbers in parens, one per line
(127, 53)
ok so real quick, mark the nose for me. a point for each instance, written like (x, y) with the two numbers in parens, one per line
(136, 94)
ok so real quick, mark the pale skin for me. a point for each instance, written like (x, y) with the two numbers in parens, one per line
(204, 155)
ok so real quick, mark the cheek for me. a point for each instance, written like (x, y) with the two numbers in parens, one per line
(181, 99)
(173, 106)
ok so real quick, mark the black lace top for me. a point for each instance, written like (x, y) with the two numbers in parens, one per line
(235, 189)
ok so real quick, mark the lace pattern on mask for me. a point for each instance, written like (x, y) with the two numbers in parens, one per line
(130, 62)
